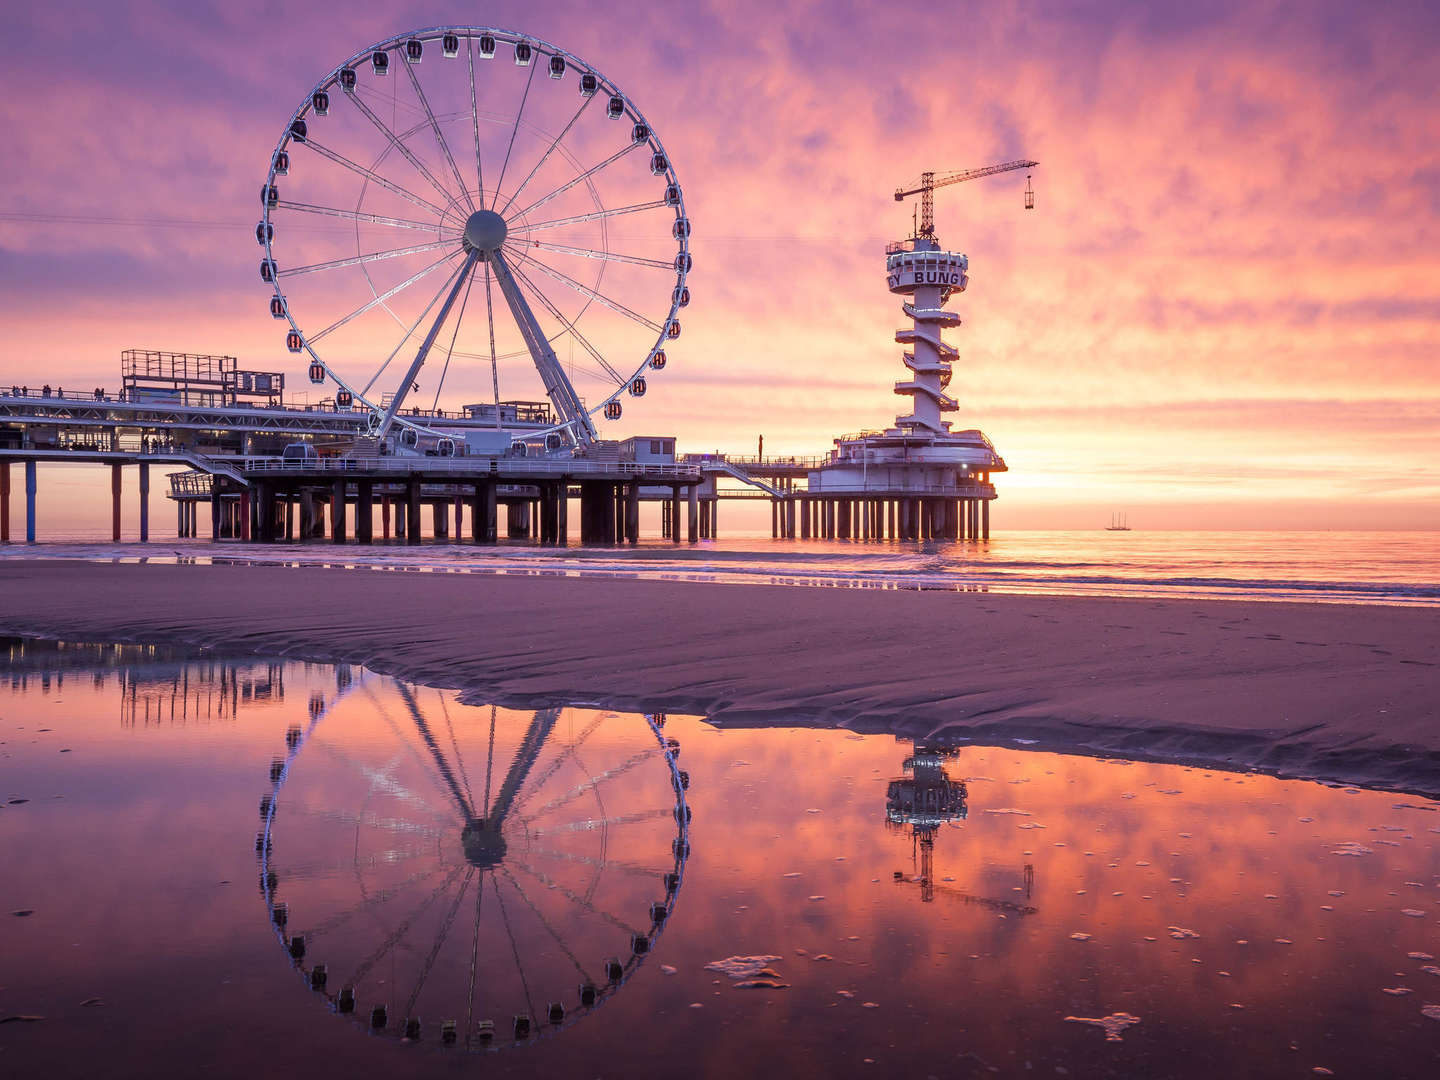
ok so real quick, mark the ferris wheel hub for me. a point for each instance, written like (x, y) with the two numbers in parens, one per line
(485, 230)
(484, 847)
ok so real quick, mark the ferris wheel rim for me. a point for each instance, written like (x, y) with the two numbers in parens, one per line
(669, 328)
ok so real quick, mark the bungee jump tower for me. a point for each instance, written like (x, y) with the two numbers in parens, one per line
(918, 480)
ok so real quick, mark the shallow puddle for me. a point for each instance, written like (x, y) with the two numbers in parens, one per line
(236, 867)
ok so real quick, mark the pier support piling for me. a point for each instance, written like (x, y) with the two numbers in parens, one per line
(365, 511)
(412, 510)
(144, 488)
(4, 502)
(337, 512)
(116, 480)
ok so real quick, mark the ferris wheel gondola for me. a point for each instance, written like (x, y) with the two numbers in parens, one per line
(440, 191)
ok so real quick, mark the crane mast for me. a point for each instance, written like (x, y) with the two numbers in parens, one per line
(929, 181)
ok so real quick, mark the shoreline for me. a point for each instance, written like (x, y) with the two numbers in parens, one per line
(832, 565)
(1331, 692)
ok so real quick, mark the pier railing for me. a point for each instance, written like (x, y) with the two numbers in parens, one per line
(468, 466)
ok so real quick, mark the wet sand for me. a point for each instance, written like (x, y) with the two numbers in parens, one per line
(1333, 692)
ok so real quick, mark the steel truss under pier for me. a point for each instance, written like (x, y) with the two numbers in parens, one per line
(287, 501)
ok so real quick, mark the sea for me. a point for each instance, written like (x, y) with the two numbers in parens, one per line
(1397, 568)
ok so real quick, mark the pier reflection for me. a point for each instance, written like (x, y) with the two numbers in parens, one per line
(156, 684)
(473, 877)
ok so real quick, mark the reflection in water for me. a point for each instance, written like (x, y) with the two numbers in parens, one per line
(924, 799)
(434, 869)
(159, 684)
(473, 877)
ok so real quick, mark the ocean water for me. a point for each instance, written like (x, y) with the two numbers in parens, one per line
(242, 867)
(1400, 568)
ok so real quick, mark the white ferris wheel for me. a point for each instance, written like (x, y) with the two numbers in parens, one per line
(468, 215)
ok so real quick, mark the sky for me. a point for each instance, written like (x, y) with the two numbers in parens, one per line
(1224, 311)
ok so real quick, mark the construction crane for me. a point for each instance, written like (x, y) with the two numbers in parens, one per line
(929, 181)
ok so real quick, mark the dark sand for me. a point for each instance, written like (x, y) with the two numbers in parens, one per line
(1342, 693)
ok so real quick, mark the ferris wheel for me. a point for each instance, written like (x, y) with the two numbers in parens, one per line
(474, 878)
(471, 215)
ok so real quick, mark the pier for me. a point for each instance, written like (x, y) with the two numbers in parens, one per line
(257, 467)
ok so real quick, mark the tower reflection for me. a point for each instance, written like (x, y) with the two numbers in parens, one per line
(923, 800)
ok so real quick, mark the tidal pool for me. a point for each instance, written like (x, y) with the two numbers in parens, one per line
(239, 867)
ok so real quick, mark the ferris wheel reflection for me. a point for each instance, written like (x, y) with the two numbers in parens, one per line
(470, 876)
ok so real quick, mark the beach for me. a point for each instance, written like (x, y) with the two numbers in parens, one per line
(1321, 691)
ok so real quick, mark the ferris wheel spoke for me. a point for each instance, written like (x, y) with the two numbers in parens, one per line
(570, 327)
(519, 964)
(590, 784)
(576, 899)
(495, 381)
(369, 219)
(467, 812)
(415, 365)
(435, 407)
(440, 136)
(373, 821)
(584, 102)
(580, 179)
(475, 117)
(546, 924)
(474, 959)
(597, 215)
(513, 132)
(374, 177)
(585, 290)
(403, 929)
(564, 754)
(374, 256)
(409, 332)
(634, 869)
(606, 256)
(439, 943)
(426, 766)
(370, 903)
(455, 745)
(399, 145)
(591, 824)
(320, 868)
(382, 297)
(490, 756)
